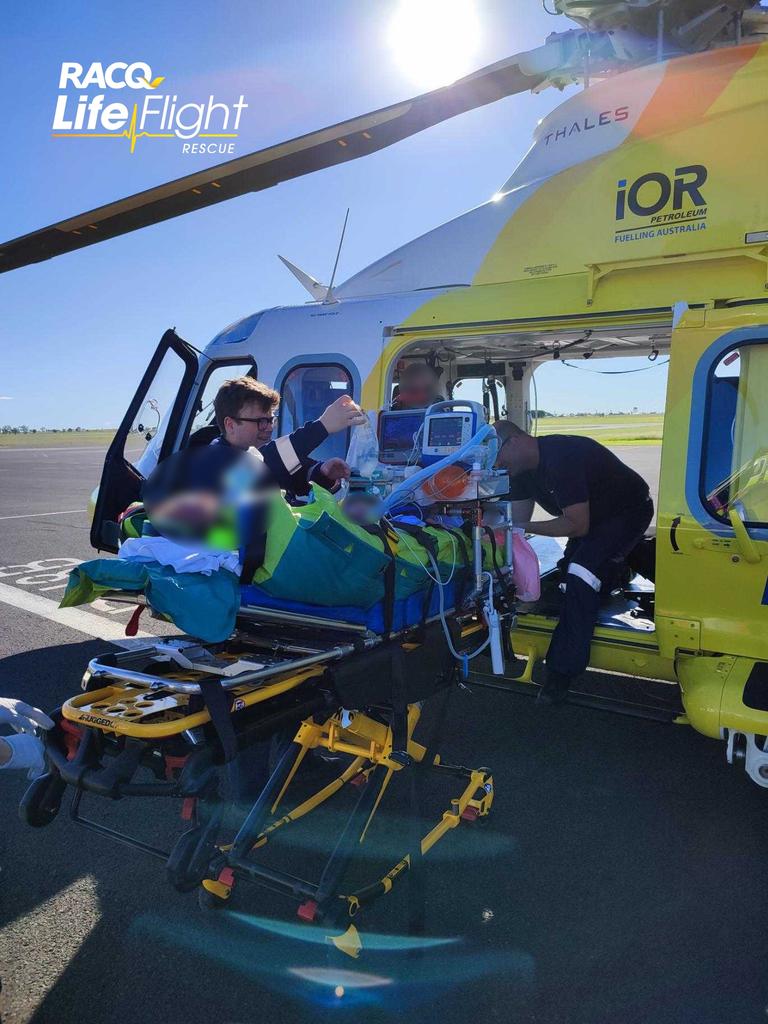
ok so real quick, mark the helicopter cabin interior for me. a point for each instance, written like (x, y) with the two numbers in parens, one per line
(502, 367)
(497, 366)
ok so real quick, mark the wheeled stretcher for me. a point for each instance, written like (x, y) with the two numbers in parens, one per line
(163, 720)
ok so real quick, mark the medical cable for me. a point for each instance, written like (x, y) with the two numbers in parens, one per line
(463, 658)
(412, 483)
(438, 579)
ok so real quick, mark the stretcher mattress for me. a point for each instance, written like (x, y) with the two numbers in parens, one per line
(407, 611)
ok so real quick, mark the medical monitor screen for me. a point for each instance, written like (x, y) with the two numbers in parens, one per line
(396, 433)
(445, 432)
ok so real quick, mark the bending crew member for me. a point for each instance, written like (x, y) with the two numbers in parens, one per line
(600, 504)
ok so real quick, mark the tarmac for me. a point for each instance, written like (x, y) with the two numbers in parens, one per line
(620, 877)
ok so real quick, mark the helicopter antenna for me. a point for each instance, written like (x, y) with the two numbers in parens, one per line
(329, 293)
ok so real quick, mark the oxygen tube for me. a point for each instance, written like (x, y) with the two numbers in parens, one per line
(463, 658)
(408, 486)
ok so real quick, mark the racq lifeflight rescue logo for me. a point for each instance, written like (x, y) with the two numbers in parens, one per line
(81, 113)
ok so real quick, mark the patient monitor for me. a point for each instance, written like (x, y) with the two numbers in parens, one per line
(398, 435)
(448, 426)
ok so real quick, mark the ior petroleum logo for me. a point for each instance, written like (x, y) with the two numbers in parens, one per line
(81, 113)
(667, 205)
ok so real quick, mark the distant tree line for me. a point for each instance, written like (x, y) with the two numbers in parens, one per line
(24, 429)
(537, 414)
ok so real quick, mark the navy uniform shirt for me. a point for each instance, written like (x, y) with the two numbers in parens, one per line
(572, 470)
(285, 461)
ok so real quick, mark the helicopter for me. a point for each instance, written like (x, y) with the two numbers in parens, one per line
(637, 223)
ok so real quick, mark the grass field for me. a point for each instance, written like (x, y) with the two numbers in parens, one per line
(49, 439)
(645, 428)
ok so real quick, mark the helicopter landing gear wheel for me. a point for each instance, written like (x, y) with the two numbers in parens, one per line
(739, 755)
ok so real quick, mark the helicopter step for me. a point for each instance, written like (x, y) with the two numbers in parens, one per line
(647, 698)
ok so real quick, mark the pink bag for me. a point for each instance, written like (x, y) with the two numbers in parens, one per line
(526, 568)
(525, 574)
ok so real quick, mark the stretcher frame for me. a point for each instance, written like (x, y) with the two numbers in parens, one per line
(291, 688)
(374, 764)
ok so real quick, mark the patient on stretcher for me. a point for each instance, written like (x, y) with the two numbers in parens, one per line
(215, 532)
(207, 533)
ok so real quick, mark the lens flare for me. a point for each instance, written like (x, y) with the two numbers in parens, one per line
(319, 936)
(339, 980)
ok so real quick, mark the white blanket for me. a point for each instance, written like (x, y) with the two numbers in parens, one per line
(193, 557)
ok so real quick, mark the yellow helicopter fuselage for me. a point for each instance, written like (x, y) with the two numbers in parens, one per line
(637, 223)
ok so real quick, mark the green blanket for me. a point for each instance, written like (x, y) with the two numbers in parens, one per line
(203, 606)
(318, 555)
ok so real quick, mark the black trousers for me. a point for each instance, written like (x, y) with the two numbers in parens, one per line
(589, 563)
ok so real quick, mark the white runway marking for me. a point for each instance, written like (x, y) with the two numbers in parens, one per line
(74, 618)
(32, 515)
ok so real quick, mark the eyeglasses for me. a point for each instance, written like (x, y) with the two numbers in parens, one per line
(262, 422)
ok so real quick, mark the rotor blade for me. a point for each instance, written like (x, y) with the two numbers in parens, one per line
(267, 167)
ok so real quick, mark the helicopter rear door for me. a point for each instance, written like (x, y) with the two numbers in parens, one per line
(712, 550)
(152, 420)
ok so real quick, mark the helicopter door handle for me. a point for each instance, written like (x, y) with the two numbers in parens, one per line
(749, 550)
(673, 533)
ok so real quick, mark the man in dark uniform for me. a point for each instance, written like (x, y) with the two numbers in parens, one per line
(601, 505)
(246, 414)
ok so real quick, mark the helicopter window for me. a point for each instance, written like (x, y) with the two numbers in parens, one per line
(735, 454)
(305, 393)
(488, 391)
(204, 422)
(151, 421)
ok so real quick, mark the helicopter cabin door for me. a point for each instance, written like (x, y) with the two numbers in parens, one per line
(153, 418)
(712, 540)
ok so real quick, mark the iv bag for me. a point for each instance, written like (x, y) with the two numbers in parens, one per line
(363, 452)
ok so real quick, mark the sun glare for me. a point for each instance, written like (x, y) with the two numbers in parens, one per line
(435, 41)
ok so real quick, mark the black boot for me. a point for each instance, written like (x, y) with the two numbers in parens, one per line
(555, 689)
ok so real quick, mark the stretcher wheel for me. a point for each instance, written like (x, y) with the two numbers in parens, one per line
(42, 800)
(210, 901)
(188, 863)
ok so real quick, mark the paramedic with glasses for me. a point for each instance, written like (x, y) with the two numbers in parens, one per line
(246, 413)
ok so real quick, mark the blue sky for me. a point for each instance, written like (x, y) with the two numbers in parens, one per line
(76, 332)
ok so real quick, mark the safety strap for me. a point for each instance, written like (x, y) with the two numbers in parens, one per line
(255, 546)
(417, 903)
(380, 531)
(219, 707)
(399, 702)
(461, 542)
(428, 542)
(503, 583)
